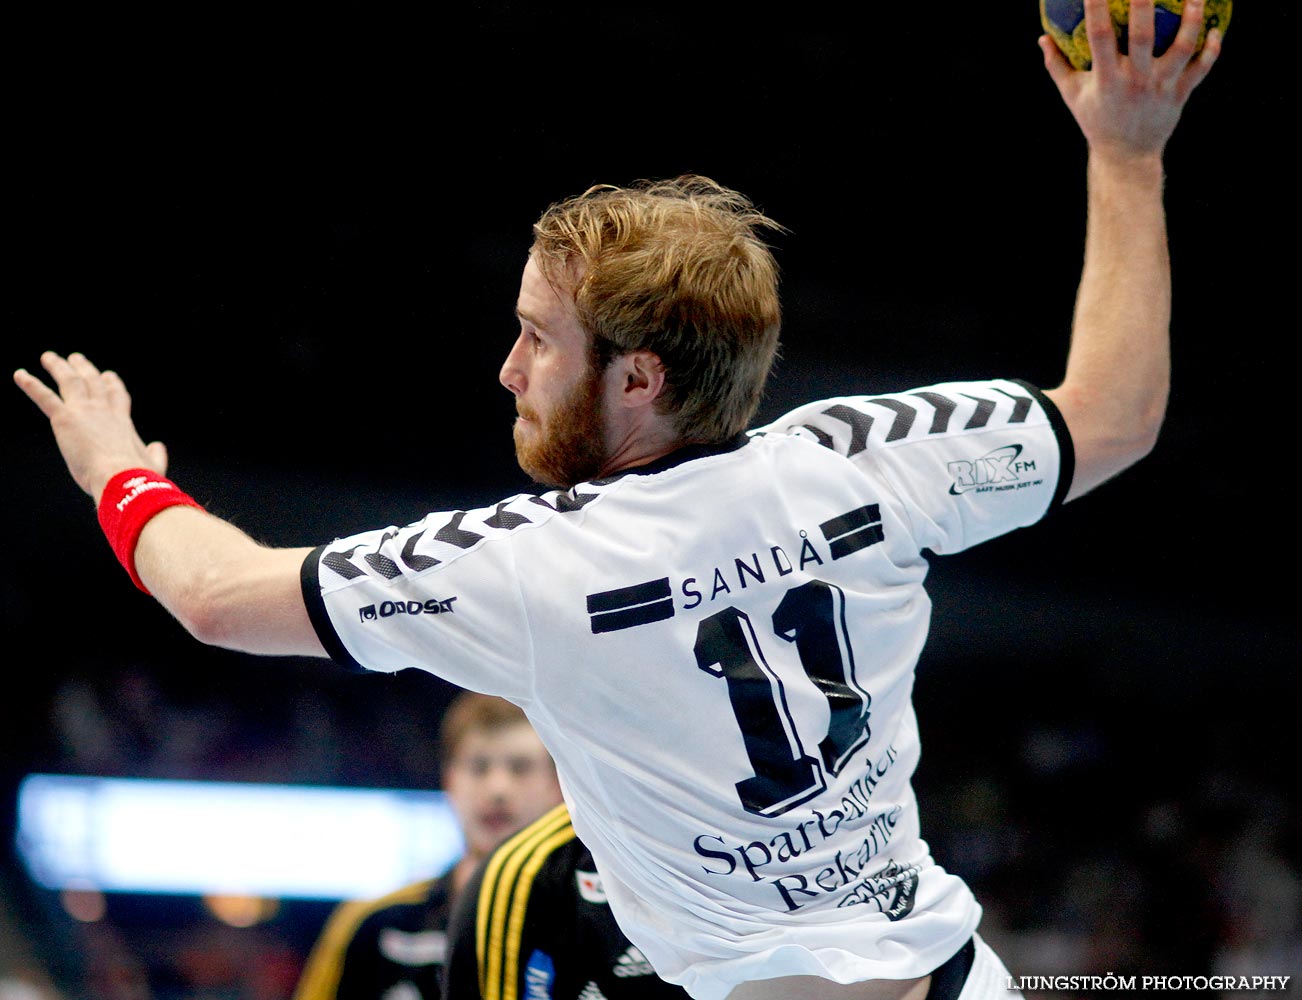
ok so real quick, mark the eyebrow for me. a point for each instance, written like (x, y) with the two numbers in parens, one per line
(528, 318)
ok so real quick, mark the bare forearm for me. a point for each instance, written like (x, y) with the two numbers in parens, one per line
(1113, 395)
(225, 588)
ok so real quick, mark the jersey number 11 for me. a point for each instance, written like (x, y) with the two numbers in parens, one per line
(812, 616)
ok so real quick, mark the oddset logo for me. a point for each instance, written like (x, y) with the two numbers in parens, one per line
(387, 609)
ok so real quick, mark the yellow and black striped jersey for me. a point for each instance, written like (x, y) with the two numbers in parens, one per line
(534, 924)
(382, 949)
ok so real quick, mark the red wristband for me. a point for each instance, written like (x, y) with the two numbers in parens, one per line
(129, 500)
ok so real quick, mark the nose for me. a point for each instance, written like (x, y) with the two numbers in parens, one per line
(512, 375)
(499, 784)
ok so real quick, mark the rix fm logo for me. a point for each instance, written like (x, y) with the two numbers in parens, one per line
(990, 471)
(387, 609)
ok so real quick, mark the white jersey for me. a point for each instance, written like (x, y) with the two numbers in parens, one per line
(718, 649)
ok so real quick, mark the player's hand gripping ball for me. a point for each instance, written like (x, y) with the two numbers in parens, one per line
(1064, 20)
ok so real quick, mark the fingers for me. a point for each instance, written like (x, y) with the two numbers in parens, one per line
(47, 400)
(1141, 32)
(70, 384)
(1187, 68)
(1102, 37)
(157, 453)
(1197, 70)
(1191, 26)
(1060, 70)
(76, 380)
(116, 391)
(91, 378)
(80, 364)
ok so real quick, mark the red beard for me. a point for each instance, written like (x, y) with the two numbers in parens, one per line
(565, 446)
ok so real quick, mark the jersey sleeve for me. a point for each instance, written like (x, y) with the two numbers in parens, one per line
(968, 461)
(440, 595)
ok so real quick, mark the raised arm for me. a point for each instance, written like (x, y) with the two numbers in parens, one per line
(221, 585)
(1113, 395)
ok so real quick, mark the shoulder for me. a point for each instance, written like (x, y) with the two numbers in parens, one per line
(441, 538)
(544, 844)
(532, 861)
(410, 907)
(852, 424)
(350, 938)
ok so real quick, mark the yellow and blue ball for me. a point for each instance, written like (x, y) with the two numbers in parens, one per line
(1064, 21)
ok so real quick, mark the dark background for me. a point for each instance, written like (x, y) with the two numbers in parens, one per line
(301, 246)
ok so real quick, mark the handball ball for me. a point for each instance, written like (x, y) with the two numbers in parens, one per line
(1064, 20)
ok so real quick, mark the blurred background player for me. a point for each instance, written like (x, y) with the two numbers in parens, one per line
(498, 777)
(535, 922)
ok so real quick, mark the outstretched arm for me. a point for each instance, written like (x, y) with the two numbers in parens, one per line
(225, 588)
(1113, 395)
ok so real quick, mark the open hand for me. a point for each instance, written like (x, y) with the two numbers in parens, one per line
(1127, 106)
(90, 414)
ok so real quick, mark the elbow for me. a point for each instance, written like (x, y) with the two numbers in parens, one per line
(1119, 451)
(1099, 459)
(250, 607)
(1107, 441)
(1139, 440)
(1146, 429)
(206, 627)
(226, 590)
(208, 610)
(1144, 445)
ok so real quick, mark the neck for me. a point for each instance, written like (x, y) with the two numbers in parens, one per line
(641, 450)
(462, 871)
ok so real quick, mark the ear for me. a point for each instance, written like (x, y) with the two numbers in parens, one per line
(640, 378)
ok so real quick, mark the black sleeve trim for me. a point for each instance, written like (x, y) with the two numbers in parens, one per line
(1066, 450)
(317, 614)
